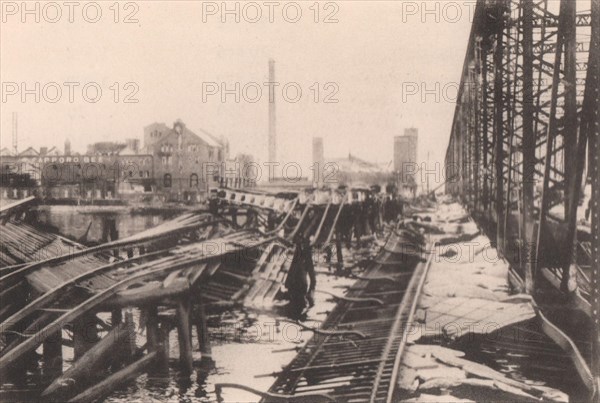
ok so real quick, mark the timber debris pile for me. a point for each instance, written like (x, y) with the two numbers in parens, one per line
(65, 316)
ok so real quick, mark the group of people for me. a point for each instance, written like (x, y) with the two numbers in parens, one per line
(361, 219)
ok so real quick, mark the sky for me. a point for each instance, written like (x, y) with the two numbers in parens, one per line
(382, 66)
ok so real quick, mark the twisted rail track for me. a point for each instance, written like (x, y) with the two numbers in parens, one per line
(355, 355)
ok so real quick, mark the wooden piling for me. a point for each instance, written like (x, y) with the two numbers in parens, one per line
(85, 334)
(128, 346)
(163, 346)
(90, 362)
(116, 316)
(53, 357)
(118, 378)
(152, 330)
(184, 335)
(202, 331)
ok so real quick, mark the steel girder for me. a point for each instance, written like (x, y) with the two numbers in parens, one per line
(526, 113)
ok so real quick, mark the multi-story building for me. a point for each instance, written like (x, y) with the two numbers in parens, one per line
(405, 159)
(82, 178)
(239, 172)
(405, 150)
(174, 164)
(186, 163)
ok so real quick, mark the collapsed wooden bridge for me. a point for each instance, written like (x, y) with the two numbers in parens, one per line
(83, 304)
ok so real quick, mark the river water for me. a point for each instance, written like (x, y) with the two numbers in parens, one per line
(245, 344)
(73, 221)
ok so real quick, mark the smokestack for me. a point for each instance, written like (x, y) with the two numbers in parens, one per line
(318, 161)
(272, 128)
(15, 133)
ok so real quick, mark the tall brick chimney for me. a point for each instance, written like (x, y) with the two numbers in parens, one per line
(272, 126)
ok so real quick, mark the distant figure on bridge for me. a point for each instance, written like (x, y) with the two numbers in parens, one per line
(393, 208)
(271, 221)
(301, 280)
(213, 205)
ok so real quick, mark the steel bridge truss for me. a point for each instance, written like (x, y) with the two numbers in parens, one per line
(525, 139)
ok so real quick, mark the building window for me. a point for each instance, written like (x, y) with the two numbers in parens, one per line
(211, 154)
(220, 155)
(193, 180)
(167, 180)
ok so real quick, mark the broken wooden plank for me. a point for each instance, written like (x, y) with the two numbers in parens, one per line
(118, 378)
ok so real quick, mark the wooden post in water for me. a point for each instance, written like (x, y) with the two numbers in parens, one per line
(86, 367)
(202, 331)
(116, 316)
(184, 335)
(164, 346)
(85, 334)
(154, 340)
(53, 358)
(152, 330)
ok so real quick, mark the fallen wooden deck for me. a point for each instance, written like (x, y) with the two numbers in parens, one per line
(170, 274)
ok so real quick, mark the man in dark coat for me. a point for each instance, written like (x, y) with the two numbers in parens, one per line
(301, 280)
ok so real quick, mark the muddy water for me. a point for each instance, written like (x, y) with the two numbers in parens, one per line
(245, 344)
(73, 221)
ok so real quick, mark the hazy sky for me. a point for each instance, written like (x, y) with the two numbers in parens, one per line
(377, 55)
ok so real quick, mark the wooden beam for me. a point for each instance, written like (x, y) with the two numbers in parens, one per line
(90, 363)
(85, 334)
(118, 378)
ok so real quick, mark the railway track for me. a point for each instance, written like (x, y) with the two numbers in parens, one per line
(354, 356)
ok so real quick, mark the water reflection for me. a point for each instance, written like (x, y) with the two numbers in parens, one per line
(247, 347)
(88, 225)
